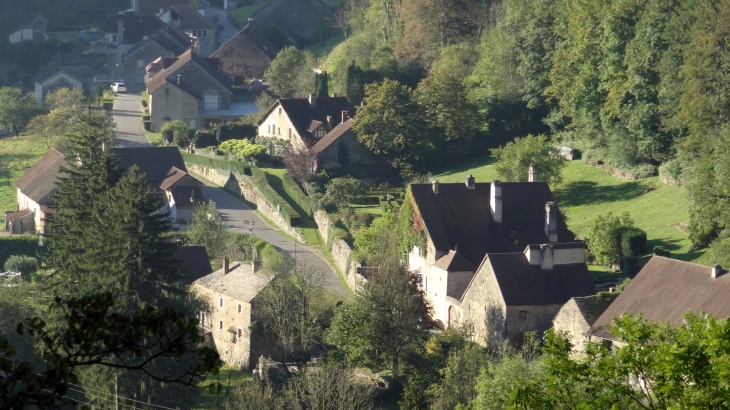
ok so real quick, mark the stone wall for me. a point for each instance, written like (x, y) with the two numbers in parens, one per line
(243, 186)
(341, 252)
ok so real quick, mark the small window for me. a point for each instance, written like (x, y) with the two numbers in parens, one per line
(140, 63)
(203, 33)
(202, 319)
(240, 332)
(279, 130)
(239, 308)
(220, 301)
(268, 128)
(289, 133)
(220, 324)
(279, 110)
(523, 314)
(140, 79)
(471, 329)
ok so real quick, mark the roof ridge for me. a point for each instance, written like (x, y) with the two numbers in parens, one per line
(679, 260)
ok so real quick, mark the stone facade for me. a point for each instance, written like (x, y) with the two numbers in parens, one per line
(483, 309)
(345, 151)
(135, 64)
(528, 318)
(170, 103)
(39, 216)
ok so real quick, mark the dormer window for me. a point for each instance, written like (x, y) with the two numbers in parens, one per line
(319, 133)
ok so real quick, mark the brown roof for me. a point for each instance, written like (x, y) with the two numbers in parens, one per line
(301, 113)
(182, 195)
(174, 174)
(11, 216)
(664, 290)
(452, 262)
(332, 136)
(39, 182)
(458, 216)
(525, 284)
(154, 162)
(168, 74)
(248, 33)
(152, 7)
(195, 262)
(189, 18)
(135, 27)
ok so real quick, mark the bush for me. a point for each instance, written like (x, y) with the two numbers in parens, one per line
(633, 242)
(178, 132)
(660, 251)
(18, 245)
(146, 117)
(147, 125)
(26, 265)
(204, 139)
(234, 130)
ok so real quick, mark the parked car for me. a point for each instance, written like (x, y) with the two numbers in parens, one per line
(119, 88)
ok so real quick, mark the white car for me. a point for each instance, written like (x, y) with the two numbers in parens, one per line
(119, 88)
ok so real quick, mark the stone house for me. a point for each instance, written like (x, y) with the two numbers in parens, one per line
(52, 80)
(167, 42)
(182, 194)
(32, 30)
(304, 121)
(341, 148)
(193, 23)
(497, 257)
(663, 291)
(247, 54)
(191, 89)
(232, 293)
(129, 28)
(576, 317)
(35, 191)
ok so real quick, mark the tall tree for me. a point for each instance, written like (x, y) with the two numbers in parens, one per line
(16, 109)
(514, 159)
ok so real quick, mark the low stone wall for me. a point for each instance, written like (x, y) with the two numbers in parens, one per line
(242, 186)
(341, 252)
(619, 173)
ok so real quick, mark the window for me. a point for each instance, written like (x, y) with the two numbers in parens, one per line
(220, 302)
(279, 130)
(239, 308)
(202, 319)
(240, 332)
(268, 128)
(192, 123)
(211, 102)
(289, 133)
(279, 110)
(220, 326)
(140, 79)
(203, 33)
(523, 314)
(140, 63)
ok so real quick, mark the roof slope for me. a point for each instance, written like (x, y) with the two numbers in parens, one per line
(195, 262)
(135, 27)
(591, 307)
(247, 33)
(664, 290)
(525, 284)
(39, 182)
(332, 136)
(190, 18)
(154, 162)
(167, 75)
(174, 174)
(152, 7)
(168, 37)
(452, 262)
(240, 283)
(40, 78)
(11, 216)
(301, 113)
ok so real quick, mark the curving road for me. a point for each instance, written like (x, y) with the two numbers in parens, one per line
(127, 113)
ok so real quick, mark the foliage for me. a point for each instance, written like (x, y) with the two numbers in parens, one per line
(274, 146)
(16, 109)
(633, 242)
(64, 98)
(243, 149)
(366, 239)
(19, 246)
(514, 159)
(177, 132)
(275, 35)
(289, 74)
(25, 265)
(295, 193)
(234, 130)
(410, 228)
(300, 164)
(605, 237)
(459, 377)
(321, 88)
(208, 229)
(342, 192)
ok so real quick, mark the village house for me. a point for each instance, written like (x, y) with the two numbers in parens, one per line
(167, 42)
(341, 148)
(193, 23)
(247, 54)
(663, 291)
(304, 121)
(32, 30)
(232, 293)
(497, 257)
(52, 80)
(576, 317)
(193, 90)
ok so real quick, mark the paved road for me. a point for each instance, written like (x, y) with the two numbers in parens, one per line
(237, 215)
(228, 30)
(127, 114)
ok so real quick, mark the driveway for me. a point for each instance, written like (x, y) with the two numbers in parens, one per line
(228, 30)
(238, 215)
(127, 113)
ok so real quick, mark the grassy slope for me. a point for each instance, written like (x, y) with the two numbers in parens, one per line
(325, 48)
(19, 153)
(588, 191)
(309, 226)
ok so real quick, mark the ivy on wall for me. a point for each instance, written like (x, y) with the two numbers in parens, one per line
(410, 228)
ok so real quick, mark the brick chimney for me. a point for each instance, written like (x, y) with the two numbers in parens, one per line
(250, 21)
(495, 201)
(312, 100)
(551, 222)
(345, 115)
(532, 173)
(716, 271)
(435, 186)
(329, 121)
(226, 266)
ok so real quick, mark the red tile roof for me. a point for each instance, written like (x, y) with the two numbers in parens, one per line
(11, 216)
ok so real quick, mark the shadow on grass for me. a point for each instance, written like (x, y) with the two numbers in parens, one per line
(590, 193)
(454, 169)
(306, 221)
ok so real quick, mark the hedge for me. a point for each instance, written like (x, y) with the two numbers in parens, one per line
(240, 169)
(296, 193)
(147, 125)
(633, 242)
(146, 117)
(18, 245)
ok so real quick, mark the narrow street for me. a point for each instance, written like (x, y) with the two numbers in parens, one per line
(127, 113)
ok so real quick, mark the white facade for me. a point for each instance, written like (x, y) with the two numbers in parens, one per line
(278, 125)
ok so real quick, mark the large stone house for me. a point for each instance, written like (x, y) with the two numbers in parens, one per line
(232, 293)
(32, 30)
(341, 148)
(167, 42)
(576, 317)
(193, 90)
(304, 121)
(663, 291)
(193, 23)
(52, 80)
(247, 54)
(497, 257)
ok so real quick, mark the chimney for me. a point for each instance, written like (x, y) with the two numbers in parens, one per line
(716, 271)
(334, 95)
(345, 115)
(495, 201)
(551, 222)
(178, 79)
(225, 266)
(250, 21)
(120, 31)
(329, 121)
(532, 173)
(546, 256)
(312, 100)
(435, 185)
(470, 182)
(362, 103)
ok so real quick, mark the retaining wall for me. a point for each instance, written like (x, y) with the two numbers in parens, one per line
(341, 252)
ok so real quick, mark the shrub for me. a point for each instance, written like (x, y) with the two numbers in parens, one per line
(660, 251)
(633, 242)
(234, 130)
(18, 245)
(204, 139)
(296, 193)
(243, 149)
(147, 125)
(178, 132)
(26, 265)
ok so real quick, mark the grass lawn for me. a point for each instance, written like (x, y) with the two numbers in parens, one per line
(324, 48)
(242, 14)
(588, 191)
(308, 226)
(230, 380)
(16, 154)
(154, 137)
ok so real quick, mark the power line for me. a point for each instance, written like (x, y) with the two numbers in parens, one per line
(121, 397)
(102, 398)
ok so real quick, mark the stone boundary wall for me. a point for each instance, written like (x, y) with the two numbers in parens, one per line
(619, 173)
(341, 252)
(667, 180)
(242, 186)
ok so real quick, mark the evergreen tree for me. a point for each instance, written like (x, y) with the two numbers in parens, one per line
(321, 88)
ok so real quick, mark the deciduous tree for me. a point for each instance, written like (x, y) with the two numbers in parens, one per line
(16, 109)
(514, 159)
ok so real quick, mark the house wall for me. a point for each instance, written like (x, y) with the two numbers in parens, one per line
(24, 202)
(571, 321)
(278, 120)
(483, 308)
(169, 103)
(16, 37)
(133, 75)
(207, 44)
(539, 318)
(59, 80)
(233, 350)
(347, 150)
(243, 57)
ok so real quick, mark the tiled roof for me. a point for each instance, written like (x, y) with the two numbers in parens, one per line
(11, 216)
(452, 262)
(154, 162)
(174, 174)
(135, 27)
(301, 113)
(664, 290)
(332, 136)
(525, 284)
(175, 44)
(190, 18)
(251, 34)
(182, 195)
(168, 74)
(40, 78)
(195, 262)
(240, 283)
(39, 182)
(152, 7)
